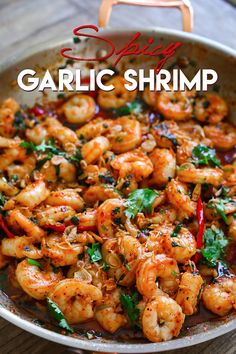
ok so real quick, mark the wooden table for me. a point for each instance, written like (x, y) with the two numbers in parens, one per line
(27, 22)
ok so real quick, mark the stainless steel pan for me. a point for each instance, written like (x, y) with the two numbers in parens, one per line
(207, 54)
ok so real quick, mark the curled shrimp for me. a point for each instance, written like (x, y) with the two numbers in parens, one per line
(79, 109)
(175, 105)
(62, 251)
(180, 246)
(162, 319)
(164, 166)
(64, 135)
(188, 292)
(134, 162)
(99, 193)
(33, 194)
(109, 216)
(87, 220)
(94, 149)
(194, 175)
(220, 296)
(118, 97)
(68, 197)
(35, 282)
(20, 247)
(51, 215)
(159, 267)
(97, 127)
(75, 299)
(177, 195)
(222, 135)
(210, 108)
(36, 134)
(32, 230)
(150, 97)
(125, 134)
(108, 312)
(4, 260)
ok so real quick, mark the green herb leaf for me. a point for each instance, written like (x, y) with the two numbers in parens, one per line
(215, 242)
(203, 155)
(219, 205)
(129, 305)
(34, 262)
(176, 230)
(94, 252)
(2, 200)
(43, 147)
(75, 220)
(134, 107)
(140, 199)
(58, 315)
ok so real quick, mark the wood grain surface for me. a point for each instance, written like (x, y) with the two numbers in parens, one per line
(24, 23)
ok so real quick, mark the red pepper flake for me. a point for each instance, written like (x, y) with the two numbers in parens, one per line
(4, 227)
(200, 218)
(57, 228)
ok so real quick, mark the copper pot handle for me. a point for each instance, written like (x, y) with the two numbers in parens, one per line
(183, 5)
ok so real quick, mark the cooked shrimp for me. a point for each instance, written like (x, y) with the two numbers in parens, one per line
(99, 193)
(194, 175)
(79, 109)
(125, 134)
(162, 319)
(36, 282)
(36, 134)
(63, 134)
(20, 247)
(87, 220)
(220, 296)
(7, 187)
(94, 149)
(32, 230)
(175, 105)
(97, 127)
(150, 97)
(33, 194)
(164, 164)
(210, 108)
(159, 267)
(180, 245)
(108, 312)
(61, 250)
(222, 135)
(51, 215)
(188, 292)
(75, 299)
(177, 195)
(68, 197)
(109, 216)
(118, 97)
(232, 227)
(135, 162)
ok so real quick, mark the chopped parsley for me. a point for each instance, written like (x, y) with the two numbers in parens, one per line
(215, 242)
(203, 155)
(134, 107)
(176, 230)
(219, 205)
(129, 305)
(75, 220)
(140, 199)
(43, 147)
(94, 252)
(58, 315)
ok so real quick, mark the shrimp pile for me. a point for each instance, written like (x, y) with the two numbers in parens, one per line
(119, 207)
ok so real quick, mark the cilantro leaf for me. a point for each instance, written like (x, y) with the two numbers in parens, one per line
(94, 252)
(220, 207)
(134, 107)
(215, 242)
(58, 315)
(203, 155)
(129, 305)
(140, 199)
(43, 147)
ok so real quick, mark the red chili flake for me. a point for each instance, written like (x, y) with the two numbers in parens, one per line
(37, 111)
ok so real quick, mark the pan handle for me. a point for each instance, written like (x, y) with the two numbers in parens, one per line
(183, 5)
